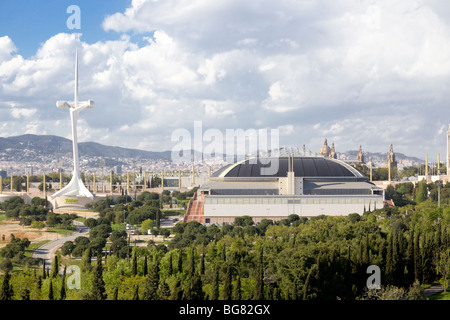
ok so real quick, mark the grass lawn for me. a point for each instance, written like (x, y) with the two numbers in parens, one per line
(440, 296)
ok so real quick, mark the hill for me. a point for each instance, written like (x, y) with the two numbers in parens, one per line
(31, 147)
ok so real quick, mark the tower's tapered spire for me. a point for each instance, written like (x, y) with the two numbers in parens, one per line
(75, 188)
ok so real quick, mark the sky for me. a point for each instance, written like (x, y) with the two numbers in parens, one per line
(356, 72)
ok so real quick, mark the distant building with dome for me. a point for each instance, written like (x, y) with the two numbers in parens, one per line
(325, 150)
(304, 184)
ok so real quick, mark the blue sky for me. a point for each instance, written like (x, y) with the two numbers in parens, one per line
(358, 72)
(30, 23)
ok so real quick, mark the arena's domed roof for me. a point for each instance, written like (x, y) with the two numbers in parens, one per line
(303, 167)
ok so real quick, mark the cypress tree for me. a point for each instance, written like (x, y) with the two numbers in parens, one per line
(98, 290)
(259, 286)
(50, 290)
(170, 268)
(410, 258)
(227, 287)
(7, 291)
(25, 294)
(134, 264)
(180, 261)
(365, 255)
(389, 259)
(62, 293)
(202, 263)
(86, 260)
(192, 263)
(136, 293)
(417, 258)
(152, 282)
(145, 266)
(55, 267)
(177, 292)
(215, 284)
(163, 291)
(116, 293)
(237, 294)
(44, 273)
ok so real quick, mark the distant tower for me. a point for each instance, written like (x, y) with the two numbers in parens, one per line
(448, 151)
(75, 188)
(325, 150)
(333, 153)
(360, 156)
(391, 158)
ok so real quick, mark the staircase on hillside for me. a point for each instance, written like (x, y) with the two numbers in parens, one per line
(195, 210)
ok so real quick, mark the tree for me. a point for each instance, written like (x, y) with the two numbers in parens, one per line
(98, 285)
(147, 225)
(227, 288)
(6, 265)
(215, 285)
(152, 282)
(134, 264)
(62, 293)
(50, 290)
(421, 191)
(55, 267)
(259, 286)
(237, 295)
(170, 267)
(6, 292)
(443, 268)
(86, 260)
(192, 263)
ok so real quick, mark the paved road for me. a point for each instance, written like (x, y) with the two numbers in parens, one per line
(47, 251)
(433, 290)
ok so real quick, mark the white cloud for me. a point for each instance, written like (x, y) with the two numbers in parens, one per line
(344, 69)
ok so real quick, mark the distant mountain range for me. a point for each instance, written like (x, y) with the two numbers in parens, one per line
(31, 147)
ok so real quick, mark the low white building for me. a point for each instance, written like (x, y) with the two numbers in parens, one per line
(304, 185)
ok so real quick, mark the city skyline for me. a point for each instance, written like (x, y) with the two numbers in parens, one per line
(358, 73)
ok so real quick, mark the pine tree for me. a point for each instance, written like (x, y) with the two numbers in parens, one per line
(7, 292)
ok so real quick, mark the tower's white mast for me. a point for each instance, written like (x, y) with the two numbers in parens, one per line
(75, 188)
